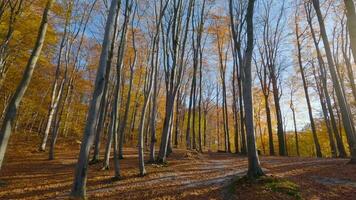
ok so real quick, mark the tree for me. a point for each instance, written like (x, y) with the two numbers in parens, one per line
(292, 106)
(305, 87)
(272, 36)
(351, 24)
(237, 14)
(221, 40)
(174, 65)
(79, 184)
(340, 97)
(15, 101)
(322, 70)
(254, 168)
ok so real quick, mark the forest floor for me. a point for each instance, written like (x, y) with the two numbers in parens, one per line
(27, 174)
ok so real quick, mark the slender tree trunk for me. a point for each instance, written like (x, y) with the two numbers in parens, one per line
(57, 116)
(104, 103)
(305, 87)
(322, 70)
(153, 118)
(176, 132)
(103, 108)
(125, 117)
(269, 126)
(351, 24)
(142, 122)
(280, 132)
(234, 109)
(80, 177)
(242, 119)
(295, 132)
(16, 99)
(341, 99)
(325, 115)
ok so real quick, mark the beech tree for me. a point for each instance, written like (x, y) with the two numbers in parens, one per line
(298, 35)
(15, 101)
(79, 184)
(346, 119)
(254, 168)
(174, 64)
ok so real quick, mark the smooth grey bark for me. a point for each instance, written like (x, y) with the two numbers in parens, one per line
(291, 106)
(103, 113)
(80, 177)
(341, 99)
(345, 51)
(127, 107)
(119, 64)
(15, 101)
(272, 37)
(254, 168)
(322, 70)
(351, 24)
(174, 70)
(57, 86)
(154, 66)
(142, 122)
(320, 91)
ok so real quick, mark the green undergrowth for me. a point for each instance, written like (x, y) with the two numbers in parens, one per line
(266, 184)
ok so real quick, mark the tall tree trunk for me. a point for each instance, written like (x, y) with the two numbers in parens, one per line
(126, 112)
(305, 87)
(174, 74)
(341, 99)
(254, 168)
(322, 70)
(80, 177)
(351, 24)
(325, 114)
(16, 99)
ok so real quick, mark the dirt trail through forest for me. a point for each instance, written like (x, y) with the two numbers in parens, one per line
(28, 175)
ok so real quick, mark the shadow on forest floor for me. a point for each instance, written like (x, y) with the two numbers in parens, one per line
(28, 175)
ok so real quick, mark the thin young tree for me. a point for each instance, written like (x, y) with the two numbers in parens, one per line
(293, 90)
(237, 12)
(265, 82)
(299, 35)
